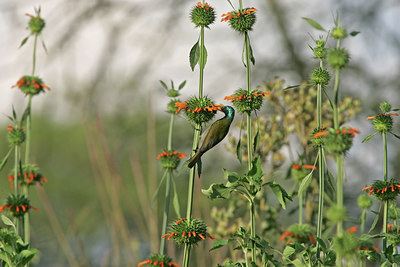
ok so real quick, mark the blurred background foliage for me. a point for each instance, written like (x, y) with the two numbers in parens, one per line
(96, 134)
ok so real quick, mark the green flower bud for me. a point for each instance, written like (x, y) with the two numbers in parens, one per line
(16, 136)
(172, 106)
(202, 15)
(337, 58)
(346, 245)
(339, 33)
(36, 24)
(385, 107)
(242, 20)
(319, 52)
(320, 76)
(364, 201)
(173, 93)
(336, 214)
(382, 123)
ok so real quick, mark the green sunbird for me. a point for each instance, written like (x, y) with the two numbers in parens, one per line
(217, 132)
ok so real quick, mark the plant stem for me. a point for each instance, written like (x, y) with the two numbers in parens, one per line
(385, 177)
(196, 139)
(339, 190)
(253, 230)
(16, 171)
(301, 208)
(34, 54)
(167, 189)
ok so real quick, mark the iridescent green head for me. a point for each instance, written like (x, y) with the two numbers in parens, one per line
(229, 111)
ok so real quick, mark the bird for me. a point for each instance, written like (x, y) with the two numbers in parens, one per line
(217, 132)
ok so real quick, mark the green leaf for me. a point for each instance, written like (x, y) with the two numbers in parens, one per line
(374, 222)
(256, 140)
(239, 151)
(158, 189)
(314, 24)
(182, 85)
(395, 135)
(194, 55)
(217, 191)
(24, 41)
(175, 201)
(233, 177)
(164, 85)
(252, 59)
(27, 112)
(354, 33)
(220, 243)
(8, 222)
(172, 85)
(288, 252)
(14, 114)
(202, 62)
(44, 47)
(4, 161)
(280, 193)
(256, 171)
(298, 263)
(369, 137)
(330, 180)
(321, 243)
(305, 183)
(199, 167)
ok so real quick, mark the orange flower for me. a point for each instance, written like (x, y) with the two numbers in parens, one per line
(319, 134)
(387, 115)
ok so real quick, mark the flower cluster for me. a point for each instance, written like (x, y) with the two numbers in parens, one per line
(320, 77)
(31, 175)
(247, 101)
(188, 232)
(335, 141)
(202, 15)
(301, 171)
(16, 136)
(31, 85)
(298, 233)
(393, 234)
(337, 58)
(198, 109)
(159, 260)
(241, 20)
(18, 205)
(170, 159)
(384, 190)
(383, 122)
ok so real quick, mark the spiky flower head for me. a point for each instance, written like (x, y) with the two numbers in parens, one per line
(241, 20)
(16, 136)
(336, 214)
(301, 171)
(198, 110)
(339, 33)
(159, 260)
(188, 232)
(172, 108)
(346, 245)
(320, 77)
(364, 201)
(31, 85)
(384, 190)
(247, 101)
(36, 23)
(382, 122)
(299, 233)
(317, 136)
(202, 15)
(30, 176)
(341, 140)
(170, 159)
(337, 58)
(18, 205)
(385, 107)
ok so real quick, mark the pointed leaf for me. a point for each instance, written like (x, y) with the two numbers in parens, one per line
(194, 55)
(4, 161)
(252, 59)
(44, 47)
(395, 135)
(369, 137)
(256, 140)
(354, 33)
(330, 180)
(305, 183)
(288, 252)
(256, 172)
(164, 85)
(217, 191)
(175, 201)
(14, 114)
(182, 85)
(280, 193)
(239, 151)
(220, 243)
(374, 222)
(27, 112)
(172, 85)
(321, 243)
(158, 189)
(314, 24)
(24, 41)
(8, 222)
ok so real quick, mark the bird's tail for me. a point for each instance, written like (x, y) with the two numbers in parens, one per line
(193, 160)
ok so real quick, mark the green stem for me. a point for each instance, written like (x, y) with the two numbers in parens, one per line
(240, 5)
(300, 208)
(34, 55)
(385, 177)
(253, 230)
(16, 176)
(186, 255)
(385, 162)
(201, 62)
(339, 190)
(363, 219)
(167, 189)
